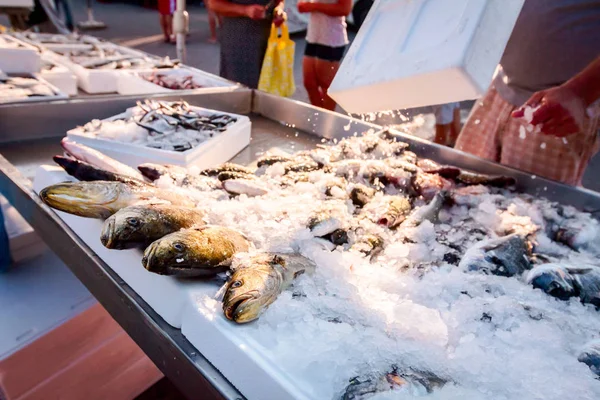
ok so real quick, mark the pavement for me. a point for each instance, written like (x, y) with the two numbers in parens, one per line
(130, 24)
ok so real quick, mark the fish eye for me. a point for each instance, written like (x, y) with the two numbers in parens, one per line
(236, 284)
(133, 222)
(178, 246)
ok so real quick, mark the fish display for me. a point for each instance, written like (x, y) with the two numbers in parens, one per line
(173, 126)
(565, 281)
(138, 226)
(436, 268)
(101, 199)
(204, 251)
(111, 57)
(15, 88)
(258, 280)
(172, 81)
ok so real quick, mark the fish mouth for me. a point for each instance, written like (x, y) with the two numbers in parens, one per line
(233, 305)
(107, 235)
(148, 258)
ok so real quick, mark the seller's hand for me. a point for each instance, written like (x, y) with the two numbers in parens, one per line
(561, 112)
(255, 11)
(305, 7)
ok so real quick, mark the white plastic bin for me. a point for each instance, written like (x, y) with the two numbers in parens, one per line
(132, 82)
(60, 76)
(413, 53)
(17, 57)
(221, 148)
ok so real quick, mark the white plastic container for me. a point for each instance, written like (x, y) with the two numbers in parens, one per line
(60, 76)
(59, 95)
(131, 82)
(221, 148)
(412, 53)
(17, 57)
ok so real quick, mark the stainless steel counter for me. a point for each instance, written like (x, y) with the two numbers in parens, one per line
(31, 137)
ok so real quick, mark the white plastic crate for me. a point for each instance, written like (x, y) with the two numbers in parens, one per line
(221, 148)
(59, 95)
(132, 82)
(412, 53)
(22, 59)
(60, 76)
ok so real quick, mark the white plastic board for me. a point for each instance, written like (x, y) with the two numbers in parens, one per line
(36, 297)
(412, 53)
(219, 149)
(21, 59)
(133, 83)
(168, 296)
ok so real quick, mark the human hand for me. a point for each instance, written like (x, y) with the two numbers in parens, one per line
(256, 11)
(279, 17)
(305, 7)
(561, 111)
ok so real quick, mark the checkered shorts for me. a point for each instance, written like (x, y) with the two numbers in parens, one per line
(491, 133)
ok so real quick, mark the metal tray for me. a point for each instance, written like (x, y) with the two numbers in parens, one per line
(30, 137)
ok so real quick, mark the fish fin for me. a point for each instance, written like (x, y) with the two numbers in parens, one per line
(579, 270)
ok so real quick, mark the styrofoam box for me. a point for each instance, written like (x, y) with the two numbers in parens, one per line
(168, 296)
(58, 96)
(92, 81)
(221, 148)
(131, 82)
(412, 53)
(17, 3)
(61, 77)
(24, 59)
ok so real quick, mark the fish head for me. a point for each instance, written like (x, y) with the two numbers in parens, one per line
(553, 280)
(86, 199)
(170, 255)
(128, 225)
(254, 285)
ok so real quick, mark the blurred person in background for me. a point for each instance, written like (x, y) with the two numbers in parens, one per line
(243, 35)
(551, 64)
(447, 123)
(326, 41)
(166, 8)
(212, 25)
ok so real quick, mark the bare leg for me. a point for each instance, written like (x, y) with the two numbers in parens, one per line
(310, 81)
(212, 24)
(326, 71)
(163, 27)
(441, 133)
(169, 24)
(454, 128)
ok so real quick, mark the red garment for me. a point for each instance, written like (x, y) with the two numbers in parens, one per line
(492, 133)
(166, 7)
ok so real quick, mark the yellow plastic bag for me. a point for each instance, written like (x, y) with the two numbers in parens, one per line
(277, 72)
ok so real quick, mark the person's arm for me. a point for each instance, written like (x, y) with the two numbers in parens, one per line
(340, 8)
(562, 109)
(229, 9)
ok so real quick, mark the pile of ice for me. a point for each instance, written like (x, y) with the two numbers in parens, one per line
(490, 337)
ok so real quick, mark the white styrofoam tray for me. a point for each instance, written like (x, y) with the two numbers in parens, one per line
(58, 96)
(41, 41)
(168, 296)
(92, 81)
(24, 59)
(221, 148)
(131, 82)
(412, 53)
(60, 76)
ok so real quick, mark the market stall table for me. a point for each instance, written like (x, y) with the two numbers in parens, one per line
(276, 123)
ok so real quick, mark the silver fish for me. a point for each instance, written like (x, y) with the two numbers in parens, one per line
(505, 256)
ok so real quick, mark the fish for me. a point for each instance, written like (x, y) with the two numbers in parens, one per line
(227, 167)
(361, 195)
(244, 186)
(428, 185)
(565, 281)
(101, 199)
(415, 383)
(504, 256)
(324, 222)
(464, 176)
(398, 207)
(179, 175)
(138, 226)
(269, 160)
(370, 245)
(97, 159)
(256, 282)
(87, 172)
(590, 356)
(428, 212)
(227, 175)
(196, 252)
